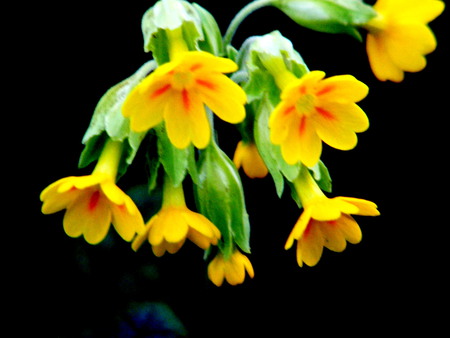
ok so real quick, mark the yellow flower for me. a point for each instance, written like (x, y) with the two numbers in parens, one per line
(169, 228)
(325, 222)
(177, 93)
(247, 156)
(314, 109)
(94, 201)
(399, 37)
(232, 269)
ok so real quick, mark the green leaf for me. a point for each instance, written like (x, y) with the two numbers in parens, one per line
(270, 153)
(220, 197)
(328, 16)
(108, 121)
(170, 15)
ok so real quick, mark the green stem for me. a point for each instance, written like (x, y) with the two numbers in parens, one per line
(243, 13)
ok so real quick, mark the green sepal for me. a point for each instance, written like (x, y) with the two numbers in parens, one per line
(256, 51)
(199, 28)
(220, 197)
(270, 153)
(176, 162)
(212, 41)
(322, 176)
(108, 122)
(328, 16)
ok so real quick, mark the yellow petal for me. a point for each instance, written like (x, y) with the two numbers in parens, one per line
(333, 237)
(341, 88)
(216, 271)
(365, 208)
(89, 215)
(223, 96)
(350, 229)
(407, 45)
(299, 228)
(199, 61)
(310, 246)
(125, 223)
(380, 62)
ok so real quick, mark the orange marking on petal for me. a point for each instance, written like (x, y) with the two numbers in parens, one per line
(93, 201)
(302, 126)
(289, 110)
(325, 113)
(307, 230)
(161, 91)
(186, 99)
(206, 84)
(325, 90)
(195, 67)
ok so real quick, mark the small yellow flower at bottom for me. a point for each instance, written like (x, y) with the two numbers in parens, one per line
(247, 156)
(169, 228)
(94, 201)
(232, 270)
(327, 223)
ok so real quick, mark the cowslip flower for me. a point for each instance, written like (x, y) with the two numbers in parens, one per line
(168, 229)
(314, 109)
(232, 270)
(325, 222)
(247, 156)
(177, 93)
(94, 201)
(399, 38)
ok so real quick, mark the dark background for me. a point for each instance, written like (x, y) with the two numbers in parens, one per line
(393, 281)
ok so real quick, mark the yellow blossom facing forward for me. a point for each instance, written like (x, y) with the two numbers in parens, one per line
(232, 270)
(314, 109)
(325, 222)
(247, 156)
(399, 38)
(177, 93)
(94, 201)
(169, 228)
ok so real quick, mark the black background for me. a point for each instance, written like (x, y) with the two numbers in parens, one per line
(393, 281)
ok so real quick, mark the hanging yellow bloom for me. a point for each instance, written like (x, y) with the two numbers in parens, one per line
(247, 156)
(399, 37)
(94, 201)
(169, 228)
(232, 269)
(314, 109)
(325, 222)
(177, 93)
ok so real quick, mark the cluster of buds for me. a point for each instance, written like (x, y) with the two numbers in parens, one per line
(283, 111)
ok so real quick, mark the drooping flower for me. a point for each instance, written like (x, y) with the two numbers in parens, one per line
(94, 201)
(168, 229)
(325, 222)
(247, 156)
(399, 38)
(314, 109)
(232, 270)
(177, 93)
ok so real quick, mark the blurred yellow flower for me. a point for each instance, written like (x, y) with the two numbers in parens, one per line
(232, 269)
(399, 38)
(314, 109)
(94, 201)
(169, 228)
(247, 156)
(177, 92)
(325, 222)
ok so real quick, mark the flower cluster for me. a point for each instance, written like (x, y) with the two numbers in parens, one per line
(283, 111)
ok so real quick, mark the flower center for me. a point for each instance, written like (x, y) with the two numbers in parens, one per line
(305, 104)
(182, 80)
